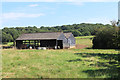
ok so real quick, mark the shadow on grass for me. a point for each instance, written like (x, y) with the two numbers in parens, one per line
(110, 73)
(88, 48)
(76, 60)
(109, 68)
(100, 55)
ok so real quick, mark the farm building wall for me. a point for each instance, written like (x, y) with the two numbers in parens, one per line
(65, 43)
(71, 41)
(18, 44)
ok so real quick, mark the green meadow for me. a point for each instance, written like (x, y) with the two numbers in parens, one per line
(84, 40)
(64, 63)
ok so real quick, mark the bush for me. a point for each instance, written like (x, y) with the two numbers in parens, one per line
(76, 33)
(86, 33)
(106, 38)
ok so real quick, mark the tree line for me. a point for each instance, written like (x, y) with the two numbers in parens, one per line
(107, 38)
(83, 29)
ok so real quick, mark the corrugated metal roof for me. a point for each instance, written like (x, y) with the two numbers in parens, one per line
(39, 36)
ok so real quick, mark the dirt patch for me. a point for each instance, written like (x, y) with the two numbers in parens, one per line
(80, 46)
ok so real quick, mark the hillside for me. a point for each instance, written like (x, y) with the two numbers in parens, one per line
(10, 34)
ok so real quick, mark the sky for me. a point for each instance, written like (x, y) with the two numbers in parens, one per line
(54, 13)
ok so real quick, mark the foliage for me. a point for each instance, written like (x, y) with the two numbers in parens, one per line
(77, 30)
(76, 33)
(107, 38)
(6, 37)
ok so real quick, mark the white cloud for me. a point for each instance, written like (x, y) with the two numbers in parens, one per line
(15, 16)
(33, 5)
(102, 20)
(60, 0)
(20, 15)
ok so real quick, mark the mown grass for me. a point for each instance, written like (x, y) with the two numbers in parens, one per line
(52, 63)
(85, 37)
(84, 40)
(66, 63)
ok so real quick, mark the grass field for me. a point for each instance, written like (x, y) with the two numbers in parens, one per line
(66, 63)
(85, 37)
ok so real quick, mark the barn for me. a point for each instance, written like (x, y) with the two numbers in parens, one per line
(49, 40)
(70, 39)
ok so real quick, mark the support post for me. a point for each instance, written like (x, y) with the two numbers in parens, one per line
(56, 44)
(29, 43)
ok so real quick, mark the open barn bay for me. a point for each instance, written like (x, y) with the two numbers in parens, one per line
(66, 63)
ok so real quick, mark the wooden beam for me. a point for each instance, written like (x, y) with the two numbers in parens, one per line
(29, 42)
(56, 43)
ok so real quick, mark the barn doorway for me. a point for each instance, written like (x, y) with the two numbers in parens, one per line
(60, 44)
(50, 44)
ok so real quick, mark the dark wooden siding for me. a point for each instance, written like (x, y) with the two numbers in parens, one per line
(18, 44)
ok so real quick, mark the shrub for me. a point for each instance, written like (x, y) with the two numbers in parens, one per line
(106, 38)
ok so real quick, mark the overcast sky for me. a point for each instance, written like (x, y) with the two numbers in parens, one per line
(52, 12)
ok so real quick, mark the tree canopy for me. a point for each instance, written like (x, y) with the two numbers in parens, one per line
(107, 38)
(83, 29)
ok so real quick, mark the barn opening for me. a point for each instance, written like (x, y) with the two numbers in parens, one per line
(35, 44)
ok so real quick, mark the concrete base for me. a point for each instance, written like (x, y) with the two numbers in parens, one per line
(72, 46)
